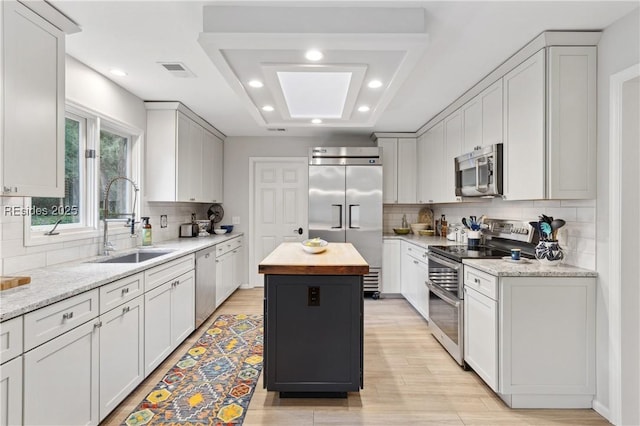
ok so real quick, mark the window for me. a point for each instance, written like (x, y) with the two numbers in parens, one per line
(96, 151)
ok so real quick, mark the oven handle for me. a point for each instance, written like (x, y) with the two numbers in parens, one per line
(444, 261)
(453, 301)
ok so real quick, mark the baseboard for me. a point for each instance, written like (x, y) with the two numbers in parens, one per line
(601, 409)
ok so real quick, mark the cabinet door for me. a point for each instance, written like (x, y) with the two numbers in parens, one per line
(406, 170)
(472, 124)
(189, 162)
(491, 100)
(452, 149)
(571, 126)
(33, 85)
(406, 271)
(434, 181)
(11, 391)
(481, 336)
(183, 308)
(523, 150)
(121, 353)
(238, 269)
(61, 379)
(157, 326)
(218, 170)
(421, 290)
(208, 167)
(391, 266)
(389, 170)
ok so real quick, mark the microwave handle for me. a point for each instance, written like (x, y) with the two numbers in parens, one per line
(479, 162)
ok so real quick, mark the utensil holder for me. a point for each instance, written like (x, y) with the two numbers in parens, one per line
(473, 238)
(549, 253)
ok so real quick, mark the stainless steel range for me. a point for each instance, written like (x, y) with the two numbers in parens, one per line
(445, 277)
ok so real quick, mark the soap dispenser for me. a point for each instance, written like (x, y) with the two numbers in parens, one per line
(146, 232)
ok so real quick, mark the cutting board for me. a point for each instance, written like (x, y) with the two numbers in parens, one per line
(11, 282)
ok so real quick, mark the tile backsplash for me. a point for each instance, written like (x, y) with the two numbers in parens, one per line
(16, 257)
(577, 237)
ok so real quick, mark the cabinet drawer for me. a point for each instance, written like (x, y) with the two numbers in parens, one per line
(168, 271)
(121, 291)
(482, 282)
(414, 251)
(228, 246)
(10, 339)
(51, 321)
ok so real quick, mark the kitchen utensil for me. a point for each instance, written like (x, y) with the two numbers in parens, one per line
(11, 282)
(464, 222)
(515, 254)
(401, 231)
(555, 225)
(545, 230)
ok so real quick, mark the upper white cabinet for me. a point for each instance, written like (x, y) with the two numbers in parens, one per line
(452, 149)
(399, 169)
(431, 165)
(32, 147)
(482, 119)
(183, 156)
(549, 125)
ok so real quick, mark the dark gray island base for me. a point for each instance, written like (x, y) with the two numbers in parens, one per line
(313, 317)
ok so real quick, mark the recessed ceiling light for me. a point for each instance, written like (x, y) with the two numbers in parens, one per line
(118, 72)
(374, 84)
(267, 108)
(316, 121)
(256, 83)
(313, 55)
(363, 108)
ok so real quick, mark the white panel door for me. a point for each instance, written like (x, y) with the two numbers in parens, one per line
(452, 149)
(279, 207)
(11, 391)
(406, 169)
(389, 169)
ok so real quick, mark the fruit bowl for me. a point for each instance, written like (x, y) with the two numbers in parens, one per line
(417, 227)
(314, 245)
(228, 228)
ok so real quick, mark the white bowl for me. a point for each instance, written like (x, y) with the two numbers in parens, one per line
(220, 231)
(416, 227)
(318, 246)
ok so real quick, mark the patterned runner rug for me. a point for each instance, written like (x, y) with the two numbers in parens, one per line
(213, 382)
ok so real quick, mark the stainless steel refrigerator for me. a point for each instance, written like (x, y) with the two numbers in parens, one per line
(345, 202)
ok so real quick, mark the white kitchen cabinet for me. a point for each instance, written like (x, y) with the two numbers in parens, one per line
(180, 155)
(61, 379)
(532, 339)
(391, 267)
(482, 119)
(212, 152)
(169, 317)
(413, 274)
(481, 325)
(121, 353)
(431, 165)
(11, 392)
(452, 149)
(33, 94)
(400, 171)
(549, 125)
(229, 267)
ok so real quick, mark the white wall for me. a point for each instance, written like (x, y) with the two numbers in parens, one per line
(238, 150)
(93, 91)
(619, 48)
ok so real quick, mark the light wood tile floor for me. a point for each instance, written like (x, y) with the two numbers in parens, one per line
(409, 380)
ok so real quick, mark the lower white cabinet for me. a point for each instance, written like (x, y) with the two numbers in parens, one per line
(169, 318)
(11, 391)
(121, 353)
(391, 267)
(61, 379)
(481, 336)
(229, 268)
(414, 271)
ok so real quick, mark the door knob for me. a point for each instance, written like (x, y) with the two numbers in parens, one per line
(299, 231)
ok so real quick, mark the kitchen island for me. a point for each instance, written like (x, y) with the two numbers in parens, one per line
(313, 314)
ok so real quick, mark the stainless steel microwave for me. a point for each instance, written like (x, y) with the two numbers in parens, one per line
(479, 173)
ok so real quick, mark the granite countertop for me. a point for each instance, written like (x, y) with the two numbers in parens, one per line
(54, 283)
(531, 268)
(421, 241)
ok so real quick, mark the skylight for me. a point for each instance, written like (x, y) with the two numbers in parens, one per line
(315, 94)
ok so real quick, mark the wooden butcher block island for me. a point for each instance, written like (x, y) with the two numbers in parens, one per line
(313, 314)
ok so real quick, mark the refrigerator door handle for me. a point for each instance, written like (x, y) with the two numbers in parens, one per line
(339, 206)
(354, 218)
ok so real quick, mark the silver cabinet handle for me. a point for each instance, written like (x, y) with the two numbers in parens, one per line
(415, 261)
(476, 280)
(125, 291)
(67, 316)
(126, 309)
(206, 256)
(98, 324)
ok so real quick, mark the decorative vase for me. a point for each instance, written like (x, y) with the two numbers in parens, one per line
(549, 253)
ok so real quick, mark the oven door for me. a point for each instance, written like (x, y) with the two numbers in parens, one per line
(445, 320)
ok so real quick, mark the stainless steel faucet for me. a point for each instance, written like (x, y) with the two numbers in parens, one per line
(108, 245)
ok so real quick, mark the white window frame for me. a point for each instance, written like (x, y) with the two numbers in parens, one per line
(92, 226)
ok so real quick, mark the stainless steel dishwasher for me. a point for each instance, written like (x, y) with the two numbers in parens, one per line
(205, 284)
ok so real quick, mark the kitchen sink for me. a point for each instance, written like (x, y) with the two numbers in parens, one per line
(135, 257)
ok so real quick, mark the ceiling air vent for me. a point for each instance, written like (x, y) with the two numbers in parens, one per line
(178, 69)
